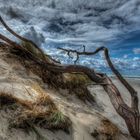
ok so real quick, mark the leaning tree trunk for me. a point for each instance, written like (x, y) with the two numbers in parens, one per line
(130, 114)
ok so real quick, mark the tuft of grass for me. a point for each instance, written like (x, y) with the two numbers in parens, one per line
(33, 50)
(43, 98)
(77, 84)
(42, 113)
(59, 120)
(29, 47)
(77, 79)
(8, 100)
(52, 120)
(106, 130)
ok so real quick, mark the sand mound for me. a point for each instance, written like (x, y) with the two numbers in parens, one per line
(29, 110)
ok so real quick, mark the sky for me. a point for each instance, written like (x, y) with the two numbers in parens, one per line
(73, 23)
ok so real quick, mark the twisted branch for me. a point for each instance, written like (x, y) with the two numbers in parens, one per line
(134, 100)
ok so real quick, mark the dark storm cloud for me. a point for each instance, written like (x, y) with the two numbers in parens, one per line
(96, 20)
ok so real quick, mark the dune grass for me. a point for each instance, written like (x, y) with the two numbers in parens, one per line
(106, 130)
(34, 51)
(43, 113)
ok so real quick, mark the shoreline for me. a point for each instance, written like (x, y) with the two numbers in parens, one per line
(125, 76)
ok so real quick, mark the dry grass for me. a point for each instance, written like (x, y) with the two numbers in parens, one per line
(43, 118)
(106, 131)
(77, 84)
(79, 79)
(108, 128)
(43, 98)
(8, 100)
(43, 113)
(33, 50)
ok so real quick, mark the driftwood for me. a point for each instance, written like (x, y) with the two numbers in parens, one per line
(130, 113)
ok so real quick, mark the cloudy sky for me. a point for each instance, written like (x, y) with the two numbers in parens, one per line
(73, 23)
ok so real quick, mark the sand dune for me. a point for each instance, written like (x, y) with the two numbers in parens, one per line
(99, 122)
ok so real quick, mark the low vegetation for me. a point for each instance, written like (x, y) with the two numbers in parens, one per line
(28, 116)
(106, 130)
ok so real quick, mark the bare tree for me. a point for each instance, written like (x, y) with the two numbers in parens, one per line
(130, 113)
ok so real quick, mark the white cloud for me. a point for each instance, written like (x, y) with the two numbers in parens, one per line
(136, 59)
(125, 56)
(136, 50)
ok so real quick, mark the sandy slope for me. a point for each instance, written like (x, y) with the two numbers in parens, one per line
(86, 119)
(103, 99)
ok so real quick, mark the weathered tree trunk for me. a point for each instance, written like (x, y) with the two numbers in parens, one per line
(130, 114)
